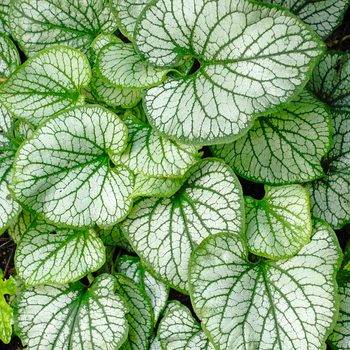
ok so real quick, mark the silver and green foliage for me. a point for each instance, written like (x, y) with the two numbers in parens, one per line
(279, 225)
(39, 24)
(330, 196)
(164, 231)
(9, 57)
(252, 58)
(283, 147)
(72, 317)
(288, 304)
(65, 173)
(4, 16)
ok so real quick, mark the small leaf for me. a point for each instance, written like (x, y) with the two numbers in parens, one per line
(127, 12)
(288, 304)
(252, 57)
(140, 316)
(64, 171)
(149, 154)
(164, 231)
(4, 16)
(284, 147)
(50, 255)
(340, 338)
(38, 24)
(7, 287)
(119, 65)
(6, 121)
(322, 15)
(46, 84)
(22, 223)
(72, 317)
(9, 57)
(146, 186)
(279, 225)
(156, 290)
(114, 236)
(178, 330)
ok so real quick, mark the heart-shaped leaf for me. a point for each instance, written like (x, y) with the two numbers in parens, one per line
(178, 330)
(164, 231)
(46, 84)
(51, 255)
(322, 15)
(64, 171)
(9, 57)
(156, 290)
(340, 338)
(38, 24)
(284, 147)
(72, 317)
(252, 57)
(279, 225)
(149, 154)
(4, 16)
(140, 316)
(289, 304)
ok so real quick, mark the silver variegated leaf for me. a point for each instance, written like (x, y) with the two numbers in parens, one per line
(9, 57)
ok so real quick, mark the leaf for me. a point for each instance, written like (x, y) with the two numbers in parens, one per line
(46, 84)
(113, 236)
(156, 290)
(22, 223)
(155, 345)
(288, 304)
(164, 231)
(119, 65)
(38, 24)
(283, 147)
(140, 316)
(149, 154)
(6, 122)
(127, 12)
(279, 225)
(178, 330)
(7, 287)
(4, 16)
(322, 15)
(64, 171)
(9, 57)
(72, 317)
(47, 254)
(156, 186)
(340, 338)
(252, 57)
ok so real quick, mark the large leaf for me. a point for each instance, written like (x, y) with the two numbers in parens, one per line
(46, 84)
(150, 154)
(284, 147)
(140, 316)
(340, 338)
(38, 24)
(4, 16)
(72, 317)
(9, 57)
(252, 57)
(51, 255)
(164, 231)
(127, 12)
(289, 304)
(322, 15)
(156, 290)
(64, 171)
(7, 287)
(279, 225)
(178, 330)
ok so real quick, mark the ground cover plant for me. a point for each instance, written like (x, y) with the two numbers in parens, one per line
(174, 174)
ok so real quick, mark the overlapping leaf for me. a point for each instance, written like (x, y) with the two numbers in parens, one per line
(156, 290)
(9, 57)
(72, 317)
(46, 84)
(289, 304)
(252, 57)
(50, 255)
(164, 231)
(4, 16)
(21, 225)
(178, 330)
(64, 171)
(284, 147)
(114, 236)
(322, 15)
(38, 24)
